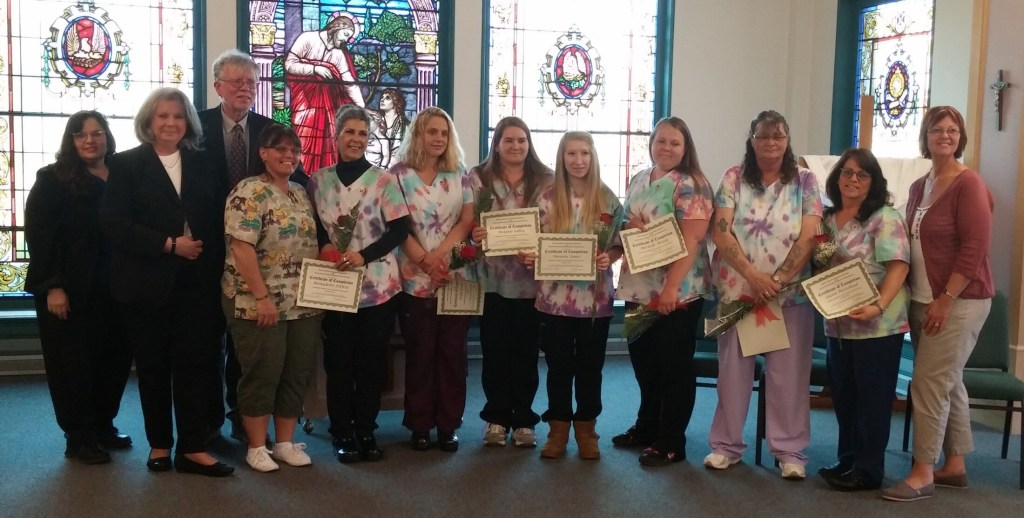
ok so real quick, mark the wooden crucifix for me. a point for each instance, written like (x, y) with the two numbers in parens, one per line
(998, 87)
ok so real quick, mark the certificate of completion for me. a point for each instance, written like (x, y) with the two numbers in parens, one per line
(323, 286)
(840, 289)
(566, 257)
(461, 297)
(511, 231)
(658, 244)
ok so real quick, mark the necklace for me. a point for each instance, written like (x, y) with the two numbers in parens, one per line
(172, 165)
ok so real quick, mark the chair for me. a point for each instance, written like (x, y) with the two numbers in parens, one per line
(987, 376)
(705, 364)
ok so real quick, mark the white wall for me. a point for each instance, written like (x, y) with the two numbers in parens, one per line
(951, 53)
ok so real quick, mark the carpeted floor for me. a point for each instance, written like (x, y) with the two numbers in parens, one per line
(35, 479)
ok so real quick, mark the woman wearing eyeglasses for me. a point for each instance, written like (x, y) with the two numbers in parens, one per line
(951, 290)
(767, 211)
(271, 228)
(85, 349)
(864, 346)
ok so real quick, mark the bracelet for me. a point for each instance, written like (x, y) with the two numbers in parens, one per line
(946, 292)
(775, 278)
(879, 306)
(174, 244)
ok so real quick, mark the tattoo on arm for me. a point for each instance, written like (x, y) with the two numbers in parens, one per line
(733, 253)
(723, 225)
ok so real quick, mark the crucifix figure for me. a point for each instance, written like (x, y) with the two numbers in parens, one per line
(998, 87)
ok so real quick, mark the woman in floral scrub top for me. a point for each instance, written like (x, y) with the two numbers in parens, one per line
(355, 344)
(576, 314)
(513, 176)
(662, 356)
(767, 212)
(440, 202)
(864, 346)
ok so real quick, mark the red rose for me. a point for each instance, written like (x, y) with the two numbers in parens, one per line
(467, 252)
(820, 238)
(606, 218)
(331, 255)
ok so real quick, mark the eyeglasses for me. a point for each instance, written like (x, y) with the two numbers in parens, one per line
(862, 176)
(284, 150)
(239, 84)
(938, 132)
(766, 138)
(82, 135)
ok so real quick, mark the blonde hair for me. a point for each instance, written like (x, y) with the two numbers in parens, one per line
(595, 192)
(411, 150)
(193, 128)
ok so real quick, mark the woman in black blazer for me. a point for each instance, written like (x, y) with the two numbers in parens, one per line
(85, 350)
(163, 211)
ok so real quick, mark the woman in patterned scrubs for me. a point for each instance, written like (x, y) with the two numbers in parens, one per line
(440, 201)
(864, 346)
(271, 228)
(767, 212)
(355, 345)
(575, 315)
(662, 356)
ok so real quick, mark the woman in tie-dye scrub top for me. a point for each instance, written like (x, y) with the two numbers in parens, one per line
(767, 212)
(440, 202)
(363, 219)
(662, 356)
(575, 315)
(864, 346)
(513, 176)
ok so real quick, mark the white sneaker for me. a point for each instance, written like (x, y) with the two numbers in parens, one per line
(719, 461)
(524, 437)
(496, 435)
(291, 453)
(259, 460)
(792, 471)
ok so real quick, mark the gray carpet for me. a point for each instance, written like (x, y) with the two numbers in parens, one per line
(35, 479)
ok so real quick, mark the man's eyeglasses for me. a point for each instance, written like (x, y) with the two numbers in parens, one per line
(766, 138)
(239, 84)
(862, 176)
(938, 132)
(82, 135)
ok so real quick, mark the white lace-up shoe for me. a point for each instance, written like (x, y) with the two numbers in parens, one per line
(291, 453)
(792, 471)
(524, 437)
(259, 460)
(495, 435)
(719, 461)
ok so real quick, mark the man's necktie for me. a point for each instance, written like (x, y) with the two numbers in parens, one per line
(236, 158)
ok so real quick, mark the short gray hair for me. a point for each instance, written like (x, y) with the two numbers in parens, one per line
(350, 112)
(193, 129)
(234, 57)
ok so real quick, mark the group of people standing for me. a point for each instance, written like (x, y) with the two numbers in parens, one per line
(151, 253)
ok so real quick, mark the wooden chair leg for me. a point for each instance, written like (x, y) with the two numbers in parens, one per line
(906, 419)
(1006, 427)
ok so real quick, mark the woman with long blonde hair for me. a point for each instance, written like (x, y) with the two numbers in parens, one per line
(575, 315)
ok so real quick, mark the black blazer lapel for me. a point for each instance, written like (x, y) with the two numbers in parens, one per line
(214, 143)
(154, 168)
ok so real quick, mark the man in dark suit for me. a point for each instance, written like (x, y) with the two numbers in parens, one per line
(232, 132)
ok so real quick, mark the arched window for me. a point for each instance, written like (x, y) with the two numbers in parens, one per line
(63, 56)
(391, 57)
(597, 66)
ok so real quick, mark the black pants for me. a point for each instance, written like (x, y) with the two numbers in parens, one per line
(232, 373)
(176, 347)
(662, 361)
(508, 338)
(355, 359)
(87, 359)
(574, 349)
(863, 375)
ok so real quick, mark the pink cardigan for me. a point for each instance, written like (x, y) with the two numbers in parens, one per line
(956, 233)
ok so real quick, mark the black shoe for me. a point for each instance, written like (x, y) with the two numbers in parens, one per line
(346, 449)
(159, 464)
(834, 470)
(853, 480)
(630, 439)
(420, 441)
(370, 451)
(447, 441)
(183, 464)
(87, 453)
(115, 441)
(656, 457)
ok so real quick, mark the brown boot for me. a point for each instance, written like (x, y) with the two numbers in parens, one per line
(586, 439)
(558, 437)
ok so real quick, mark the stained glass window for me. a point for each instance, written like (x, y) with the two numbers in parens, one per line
(895, 68)
(63, 56)
(564, 65)
(315, 56)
